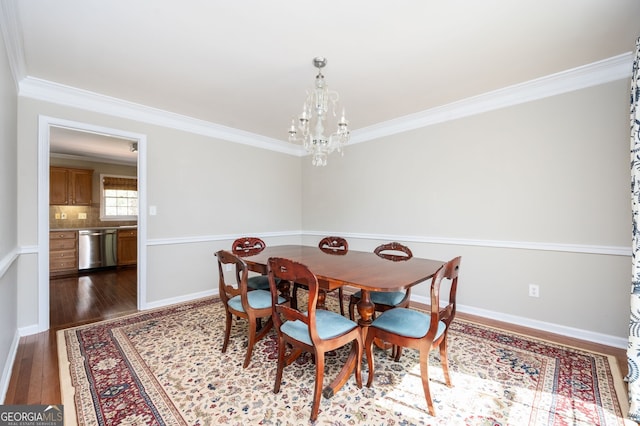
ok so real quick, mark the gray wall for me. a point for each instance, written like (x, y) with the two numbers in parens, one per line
(550, 177)
(9, 250)
(206, 192)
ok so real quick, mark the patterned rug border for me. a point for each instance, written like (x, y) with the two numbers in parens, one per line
(619, 382)
(68, 390)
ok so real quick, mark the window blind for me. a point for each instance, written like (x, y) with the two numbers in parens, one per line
(110, 182)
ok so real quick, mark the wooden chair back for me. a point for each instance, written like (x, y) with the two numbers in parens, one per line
(247, 246)
(393, 251)
(334, 245)
(229, 289)
(449, 272)
(289, 270)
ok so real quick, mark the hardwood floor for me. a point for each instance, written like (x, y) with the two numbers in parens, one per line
(74, 301)
(90, 298)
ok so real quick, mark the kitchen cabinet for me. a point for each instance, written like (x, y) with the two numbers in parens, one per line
(70, 187)
(63, 252)
(127, 247)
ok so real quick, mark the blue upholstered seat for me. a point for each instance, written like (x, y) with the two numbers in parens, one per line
(258, 299)
(328, 324)
(407, 322)
(390, 298)
(259, 282)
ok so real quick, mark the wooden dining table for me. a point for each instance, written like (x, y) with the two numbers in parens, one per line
(363, 270)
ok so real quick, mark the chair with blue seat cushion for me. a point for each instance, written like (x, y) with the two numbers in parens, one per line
(384, 301)
(248, 246)
(241, 302)
(316, 331)
(330, 245)
(425, 331)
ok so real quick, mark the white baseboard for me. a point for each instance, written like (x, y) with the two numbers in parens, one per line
(180, 299)
(8, 367)
(576, 333)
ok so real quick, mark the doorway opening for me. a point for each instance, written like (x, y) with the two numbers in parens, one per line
(107, 151)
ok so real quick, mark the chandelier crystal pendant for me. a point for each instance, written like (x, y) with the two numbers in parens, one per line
(320, 107)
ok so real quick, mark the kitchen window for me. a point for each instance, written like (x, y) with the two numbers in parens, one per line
(119, 197)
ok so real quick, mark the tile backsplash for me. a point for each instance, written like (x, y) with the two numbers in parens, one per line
(72, 221)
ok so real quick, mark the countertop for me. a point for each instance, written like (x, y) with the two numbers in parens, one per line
(94, 228)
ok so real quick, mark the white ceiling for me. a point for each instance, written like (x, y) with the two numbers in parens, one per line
(246, 64)
(71, 143)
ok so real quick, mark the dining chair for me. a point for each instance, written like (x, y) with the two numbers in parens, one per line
(383, 301)
(419, 330)
(316, 331)
(239, 301)
(330, 245)
(248, 246)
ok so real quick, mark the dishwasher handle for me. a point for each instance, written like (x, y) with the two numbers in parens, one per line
(90, 233)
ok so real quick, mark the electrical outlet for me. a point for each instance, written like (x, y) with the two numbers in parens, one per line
(82, 215)
(57, 215)
(534, 290)
(63, 215)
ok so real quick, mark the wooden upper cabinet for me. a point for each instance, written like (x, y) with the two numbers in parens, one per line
(81, 187)
(70, 187)
(58, 186)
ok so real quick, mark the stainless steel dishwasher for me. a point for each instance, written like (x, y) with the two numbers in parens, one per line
(97, 248)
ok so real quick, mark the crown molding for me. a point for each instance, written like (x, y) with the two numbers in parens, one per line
(604, 71)
(61, 94)
(12, 34)
(611, 69)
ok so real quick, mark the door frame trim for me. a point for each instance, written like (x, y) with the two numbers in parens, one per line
(44, 125)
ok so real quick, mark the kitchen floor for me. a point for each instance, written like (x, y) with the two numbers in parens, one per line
(93, 296)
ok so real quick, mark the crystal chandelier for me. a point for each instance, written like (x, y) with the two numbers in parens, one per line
(311, 123)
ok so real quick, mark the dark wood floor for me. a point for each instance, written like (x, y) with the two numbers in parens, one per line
(90, 298)
(74, 301)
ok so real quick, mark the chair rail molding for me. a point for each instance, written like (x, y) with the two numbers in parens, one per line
(8, 260)
(525, 245)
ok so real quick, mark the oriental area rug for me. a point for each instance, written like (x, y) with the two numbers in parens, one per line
(165, 367)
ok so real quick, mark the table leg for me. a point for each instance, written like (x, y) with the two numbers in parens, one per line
(365, 309)
(322, 297)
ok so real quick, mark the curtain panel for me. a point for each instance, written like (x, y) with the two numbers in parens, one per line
(633, 349)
